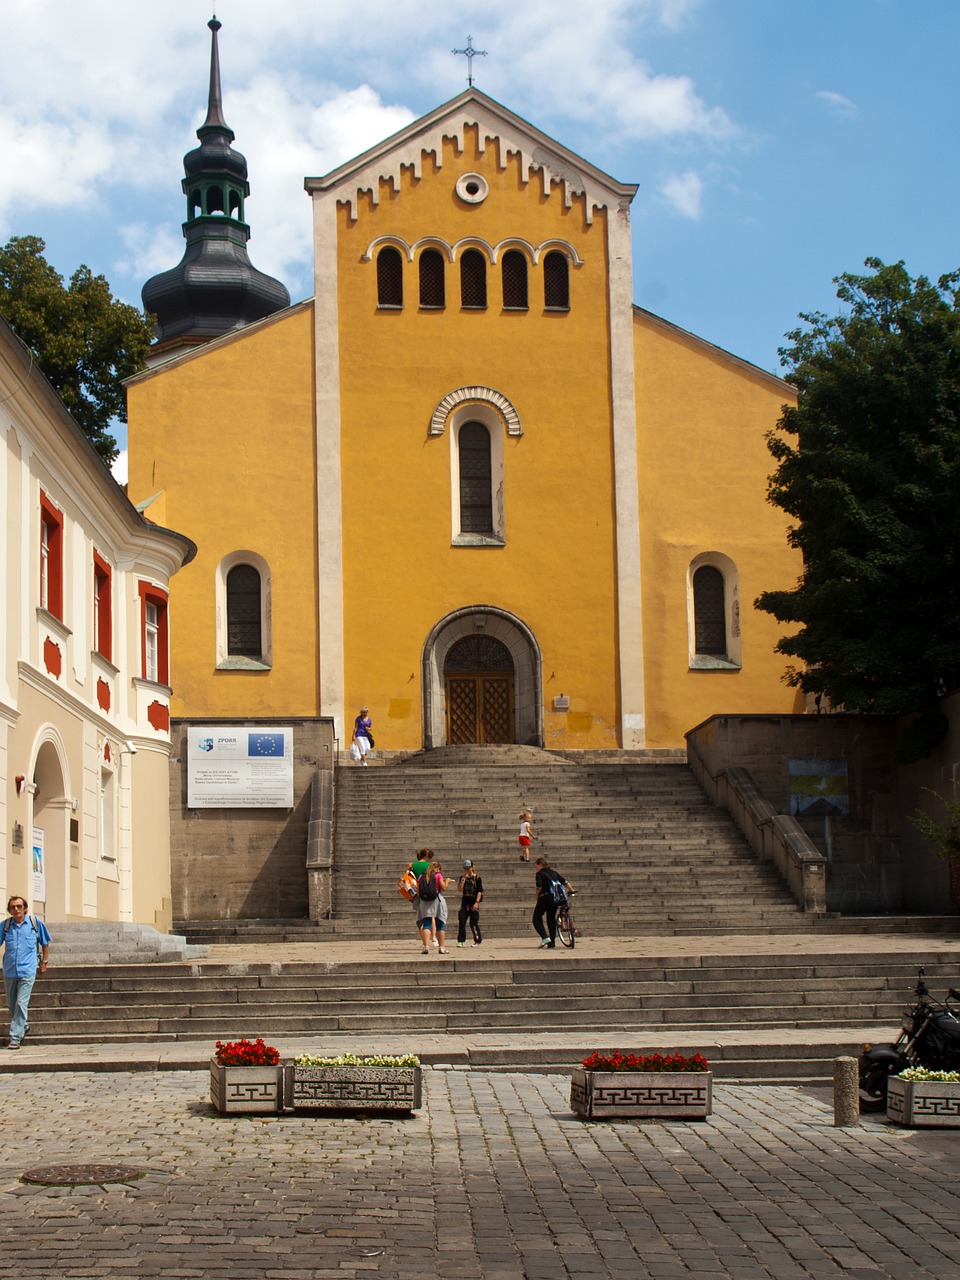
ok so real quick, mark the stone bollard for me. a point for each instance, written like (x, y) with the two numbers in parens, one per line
(846, 1092)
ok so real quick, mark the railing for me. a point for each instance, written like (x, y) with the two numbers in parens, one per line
(774, 837)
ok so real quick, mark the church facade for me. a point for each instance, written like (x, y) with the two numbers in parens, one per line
(468, 484)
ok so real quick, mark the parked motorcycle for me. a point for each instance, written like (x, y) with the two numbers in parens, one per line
(929, 1037)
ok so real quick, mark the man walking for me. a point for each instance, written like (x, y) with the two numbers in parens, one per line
(25, 942)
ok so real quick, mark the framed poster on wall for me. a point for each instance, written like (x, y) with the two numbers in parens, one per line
(38, 867)
(239, 768)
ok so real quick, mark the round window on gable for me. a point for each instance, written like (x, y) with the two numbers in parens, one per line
(472, 188)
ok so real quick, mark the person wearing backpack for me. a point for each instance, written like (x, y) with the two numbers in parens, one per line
(416, 869)
(471, 890)
(433, 906)
(25, 942)
(551, 890)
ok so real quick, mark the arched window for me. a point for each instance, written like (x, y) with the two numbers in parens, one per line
(514, 281)
(432, 290)
(473, 280)
(476, 502)
(556, 282)
(243, 593)
(244, 633)
(709, 612)
(389, 277)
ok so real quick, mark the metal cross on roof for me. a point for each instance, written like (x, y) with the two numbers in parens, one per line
(470, 53)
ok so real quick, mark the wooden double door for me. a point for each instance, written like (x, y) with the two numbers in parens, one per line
(479, 687)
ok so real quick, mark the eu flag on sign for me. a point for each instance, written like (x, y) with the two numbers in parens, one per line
(265, 744)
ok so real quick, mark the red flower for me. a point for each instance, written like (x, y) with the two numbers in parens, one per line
(645, 1062)
(246, 1053)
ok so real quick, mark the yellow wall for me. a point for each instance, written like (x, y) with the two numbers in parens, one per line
(557, 569)
(703, 462)
(227, 432)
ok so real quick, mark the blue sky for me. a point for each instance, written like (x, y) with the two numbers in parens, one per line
(776, 143)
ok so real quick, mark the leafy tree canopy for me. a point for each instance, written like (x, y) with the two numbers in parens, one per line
(868, 465)
(82, 338)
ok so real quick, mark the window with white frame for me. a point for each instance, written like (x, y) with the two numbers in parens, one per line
(243, 603)
(476, 466)
(154, 638)
(107, 816)
(713, 613)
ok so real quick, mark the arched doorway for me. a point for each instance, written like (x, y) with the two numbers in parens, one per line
(505, 674)
(478, 679)
(51, 815)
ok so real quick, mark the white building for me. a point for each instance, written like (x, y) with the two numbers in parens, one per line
(84, 698)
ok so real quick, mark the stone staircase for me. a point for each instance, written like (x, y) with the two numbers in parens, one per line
(784, 1016)
(645, 849)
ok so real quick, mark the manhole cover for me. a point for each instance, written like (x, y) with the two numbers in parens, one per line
(81, 1175)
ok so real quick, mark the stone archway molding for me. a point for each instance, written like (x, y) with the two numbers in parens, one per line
(516, 636)
(485, 395)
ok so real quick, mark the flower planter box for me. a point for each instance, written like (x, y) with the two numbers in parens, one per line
(923, 1103)
(245, 1090)
(353, 1088)
(641, 1095)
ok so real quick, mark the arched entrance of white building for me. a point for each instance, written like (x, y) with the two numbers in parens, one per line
(52, 810)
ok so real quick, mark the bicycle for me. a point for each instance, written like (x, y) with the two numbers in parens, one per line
(567, 930)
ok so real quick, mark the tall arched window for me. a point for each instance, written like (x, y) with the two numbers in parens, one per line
(244, 631)
(473, 280)
(709, 610)
(514, 281)
(432, 287)
(556, 282)
(389, 277)
(476, 501)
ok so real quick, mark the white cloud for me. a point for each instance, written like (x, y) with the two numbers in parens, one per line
(98, 108)
(119, 467)
(837, 102)
(684, 192)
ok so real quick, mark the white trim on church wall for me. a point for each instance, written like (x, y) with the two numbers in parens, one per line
(626, 479)
(329, 485)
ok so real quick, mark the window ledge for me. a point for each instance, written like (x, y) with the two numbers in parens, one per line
(558, 310)
(389, 306)
(478, 540)
(711, 662)
(244, 664)
(55, 624)
(103, 663)
(141, 682)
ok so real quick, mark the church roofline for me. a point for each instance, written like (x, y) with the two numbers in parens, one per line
(201, 348)
(538, 151)
(728, 356)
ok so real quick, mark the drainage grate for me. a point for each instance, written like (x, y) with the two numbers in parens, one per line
(81, 1175)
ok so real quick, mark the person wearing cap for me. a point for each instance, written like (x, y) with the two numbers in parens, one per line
(471, 890)
(362, 737)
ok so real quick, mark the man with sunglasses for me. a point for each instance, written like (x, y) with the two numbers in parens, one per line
(25, 942)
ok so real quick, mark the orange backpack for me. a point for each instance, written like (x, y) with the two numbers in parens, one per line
(407, 886)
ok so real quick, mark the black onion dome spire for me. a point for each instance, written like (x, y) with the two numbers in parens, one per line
(215, 288)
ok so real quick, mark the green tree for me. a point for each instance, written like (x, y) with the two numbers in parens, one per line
(869, 468)
(82, 338)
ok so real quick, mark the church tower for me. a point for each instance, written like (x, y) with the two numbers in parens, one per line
(215, 288)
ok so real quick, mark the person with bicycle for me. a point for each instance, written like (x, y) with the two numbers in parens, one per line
(552, 890)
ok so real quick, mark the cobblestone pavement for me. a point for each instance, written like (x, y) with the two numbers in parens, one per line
(493, 1180)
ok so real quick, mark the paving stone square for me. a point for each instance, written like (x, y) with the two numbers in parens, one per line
(494, 1179)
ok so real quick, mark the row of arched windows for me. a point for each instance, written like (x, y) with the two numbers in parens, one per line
(714, 622)
(432, 273)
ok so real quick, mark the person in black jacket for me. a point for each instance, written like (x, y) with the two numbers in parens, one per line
(470, 885)
(546, 904)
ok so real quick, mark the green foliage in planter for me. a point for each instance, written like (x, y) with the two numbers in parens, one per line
(351, 1060)
(932, 1077)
